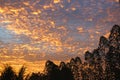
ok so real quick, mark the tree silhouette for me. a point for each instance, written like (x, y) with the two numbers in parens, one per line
(78, 61)
(34, 76)
(21, 73)
(113, 64)
(103, 63)
(52, 71)
(113, 56)
(8, 74)
(65, 72)
(89, 58)
(98, 70)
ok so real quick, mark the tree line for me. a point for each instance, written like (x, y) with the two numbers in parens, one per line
(103, 63)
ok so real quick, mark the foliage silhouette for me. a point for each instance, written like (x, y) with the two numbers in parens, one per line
(21, 73)
(65, 72)
(52, 71)
(8, 74)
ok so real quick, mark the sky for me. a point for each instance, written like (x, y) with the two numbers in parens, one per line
(33, 31)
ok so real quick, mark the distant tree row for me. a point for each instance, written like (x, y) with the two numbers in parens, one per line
(103, 63)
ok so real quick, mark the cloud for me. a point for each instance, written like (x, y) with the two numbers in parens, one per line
(53, 29)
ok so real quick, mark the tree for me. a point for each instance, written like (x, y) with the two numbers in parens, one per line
(52, 71)
(8, 73)
(78, 61)
(113, 64)
(98, 70)
(21, 73)
(89, 57)
(34, 76)
(113, 56)
(65, 72)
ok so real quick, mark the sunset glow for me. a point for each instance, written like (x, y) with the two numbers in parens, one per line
(33, 31)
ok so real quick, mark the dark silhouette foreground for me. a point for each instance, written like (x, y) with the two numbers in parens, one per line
(101, 64)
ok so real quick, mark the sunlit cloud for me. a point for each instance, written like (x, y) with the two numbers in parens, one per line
(53, 29)
(80, 29)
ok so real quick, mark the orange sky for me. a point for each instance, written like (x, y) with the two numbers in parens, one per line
(33, 31)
